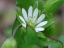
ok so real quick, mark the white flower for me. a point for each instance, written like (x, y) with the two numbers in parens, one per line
(32, 19)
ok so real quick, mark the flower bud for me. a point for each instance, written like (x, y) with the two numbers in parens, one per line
(9, 43)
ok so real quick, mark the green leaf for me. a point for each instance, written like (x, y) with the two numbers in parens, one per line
(49, 17)
(9, 43)
(18, 12)
(61, 38)
(55, 44)
(33, 46)
(31, 37)
(49, 27)
(30, 46)
(19, 35)
(26, 3)
(50, 30)
(41, 35)
(35, 5)
(52, 5)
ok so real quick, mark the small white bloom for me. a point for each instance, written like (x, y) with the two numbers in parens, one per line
(32, 19)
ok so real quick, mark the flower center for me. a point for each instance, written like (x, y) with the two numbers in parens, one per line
(30, 22)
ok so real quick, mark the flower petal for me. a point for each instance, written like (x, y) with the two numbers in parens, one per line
(24, 25)
(22, 19)
(42, 24)
(35, 14)
(39, 29)
(30, 13)
(41, 18)
(24, 14)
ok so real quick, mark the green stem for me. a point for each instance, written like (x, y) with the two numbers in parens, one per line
(16, 30)
(55, 40)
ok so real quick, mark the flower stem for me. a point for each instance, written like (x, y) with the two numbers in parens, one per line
(55, 40)
(14, 33)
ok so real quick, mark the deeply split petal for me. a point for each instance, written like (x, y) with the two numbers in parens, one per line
(24, 25)
(39, 29)
(35, 14)
(22, 19)
(42, 24)
(30, 13)
(24, 14)
(41, 18)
